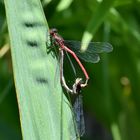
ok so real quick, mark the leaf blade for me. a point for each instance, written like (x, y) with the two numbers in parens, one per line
(40, 101)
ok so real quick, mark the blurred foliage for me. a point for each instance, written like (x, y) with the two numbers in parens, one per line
(112, 99)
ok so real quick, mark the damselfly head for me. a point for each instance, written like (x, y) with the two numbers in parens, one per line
(77, 85)
(78, 81)
(53, 31)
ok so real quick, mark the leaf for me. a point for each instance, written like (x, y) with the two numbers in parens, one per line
(64, 4)
(96, 20)
(44, 110)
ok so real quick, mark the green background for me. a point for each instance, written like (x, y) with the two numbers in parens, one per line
(112, 99)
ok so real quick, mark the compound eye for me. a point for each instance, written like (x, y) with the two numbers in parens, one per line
(54, 30)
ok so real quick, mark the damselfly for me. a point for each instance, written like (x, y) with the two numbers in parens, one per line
(90, 55)
(73, 48)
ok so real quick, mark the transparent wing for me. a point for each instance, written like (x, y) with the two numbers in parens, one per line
(79, 115)
(91, 54)
(71, 63)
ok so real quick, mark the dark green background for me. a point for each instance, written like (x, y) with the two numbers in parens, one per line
(112, 98)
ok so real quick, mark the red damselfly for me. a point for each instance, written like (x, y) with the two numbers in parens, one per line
(90, 55)
(73, 48)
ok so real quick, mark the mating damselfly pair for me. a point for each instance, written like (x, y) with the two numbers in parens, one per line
(90, 55)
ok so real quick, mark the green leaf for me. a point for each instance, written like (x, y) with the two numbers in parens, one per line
(124, 25)
(96, 20)
(45, 112)
(64, 4)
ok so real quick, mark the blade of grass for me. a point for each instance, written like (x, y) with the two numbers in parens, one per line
(96, 20)
(63, 4)
(117, 20)
(44, 110)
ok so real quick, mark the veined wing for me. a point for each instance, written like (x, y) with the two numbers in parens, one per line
(79, 115)
(92, 52)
